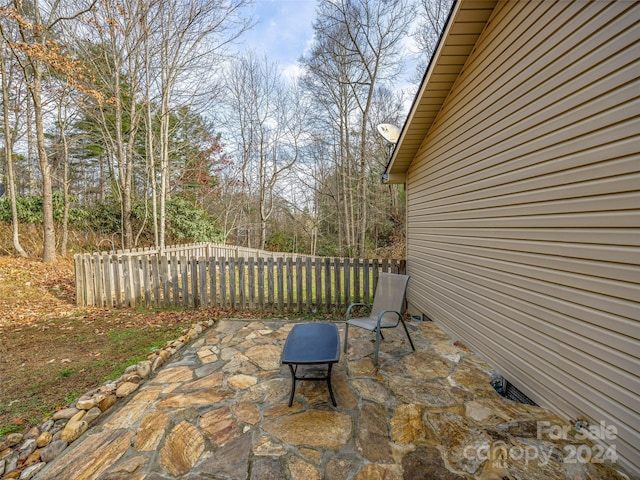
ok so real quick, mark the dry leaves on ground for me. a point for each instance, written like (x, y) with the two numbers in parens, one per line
(51, 350)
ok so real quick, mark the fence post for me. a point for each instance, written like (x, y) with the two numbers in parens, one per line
(309, 283)
(327, 283)
(213, 298)
(252, 281)
(347, 281)
(232, 281)
(87, 267)
(97, 278)
(318, 268)
(126, 280)
(146, 280)
(261, 283)
(299, 293)
(193, 262)
(376, 273)
(117, 280)
(155, 280)
(365, 282)
(135, 277)
(77, 272)
(356, 281)
(184, 276)
(105, 271)
(280, 262)
(223, 281)
(289, 282)
(175, 290)
(107, 278)
(337, 282)
(165, 278)
(242, 301)
(270, 284)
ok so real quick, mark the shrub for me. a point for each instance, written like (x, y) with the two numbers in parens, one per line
(187, 223)
(30, 209)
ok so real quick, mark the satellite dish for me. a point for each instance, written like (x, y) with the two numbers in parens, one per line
(391, 133)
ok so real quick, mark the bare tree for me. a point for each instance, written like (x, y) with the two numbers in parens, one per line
(65, 113)
(191, 38)
(30, 52)
(114, 59)
(361, 42)
(8, 151)
(375, 32)
(267, 115)
(35, 48)
(31, 142)
(148, 119)
(432, 18)
(327, 80)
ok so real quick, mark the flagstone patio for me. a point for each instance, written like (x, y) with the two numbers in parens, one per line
(219, 410)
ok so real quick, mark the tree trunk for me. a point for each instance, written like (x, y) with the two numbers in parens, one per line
(164, 167)
(8, 152)
(128, 180)
(123, 167)
(347, 187)
(263, 197)
(33, 184)
(65, 181)
(151, 164)
(363, 179)
(49, 243)
(103, 184)
(263, 233)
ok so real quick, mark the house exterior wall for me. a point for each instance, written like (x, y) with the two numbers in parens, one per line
(523, 209)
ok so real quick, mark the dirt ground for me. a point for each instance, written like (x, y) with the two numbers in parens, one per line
(52, 351)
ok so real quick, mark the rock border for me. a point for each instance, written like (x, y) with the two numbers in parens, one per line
(23, 455)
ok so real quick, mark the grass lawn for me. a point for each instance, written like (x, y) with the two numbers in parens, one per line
(52, 351)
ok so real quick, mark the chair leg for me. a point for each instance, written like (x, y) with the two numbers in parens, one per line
(408, 336)
(375, 357)
(346, 336)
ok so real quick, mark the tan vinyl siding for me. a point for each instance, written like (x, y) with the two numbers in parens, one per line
(523, 209)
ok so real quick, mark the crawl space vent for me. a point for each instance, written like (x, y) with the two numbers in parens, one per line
(510, 391)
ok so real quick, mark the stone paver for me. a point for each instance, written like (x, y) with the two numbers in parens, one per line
(218, 409)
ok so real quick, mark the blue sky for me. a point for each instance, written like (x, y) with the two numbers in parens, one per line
(283, 31)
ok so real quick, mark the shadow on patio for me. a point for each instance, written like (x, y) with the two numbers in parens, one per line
(219, 410)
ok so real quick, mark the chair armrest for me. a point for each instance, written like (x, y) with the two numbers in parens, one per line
(357, 305)
(380, 315)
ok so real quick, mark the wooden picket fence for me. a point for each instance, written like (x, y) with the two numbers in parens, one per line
(302, 284)
(204, 249)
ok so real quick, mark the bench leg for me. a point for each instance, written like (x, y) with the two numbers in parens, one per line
(333, 399)
(293, 384)
(294, 378)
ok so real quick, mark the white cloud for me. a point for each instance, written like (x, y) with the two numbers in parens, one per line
(293, 71)
(284, 29)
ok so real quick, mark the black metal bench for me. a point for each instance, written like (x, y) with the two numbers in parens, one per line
(311, 344)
